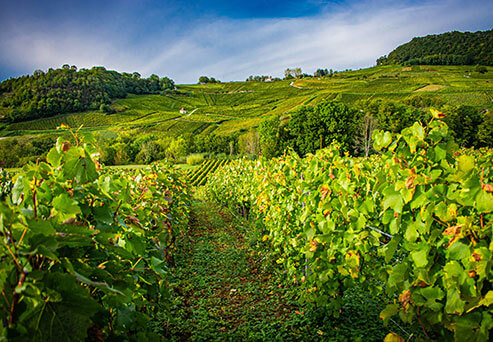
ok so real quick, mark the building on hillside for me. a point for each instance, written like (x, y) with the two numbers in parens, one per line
(183, 111)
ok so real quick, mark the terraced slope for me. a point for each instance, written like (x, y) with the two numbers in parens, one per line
(227, 108)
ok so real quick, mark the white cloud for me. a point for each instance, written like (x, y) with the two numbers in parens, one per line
(351, 37)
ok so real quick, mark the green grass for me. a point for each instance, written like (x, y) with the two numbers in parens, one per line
(223, 290)
(227, 108)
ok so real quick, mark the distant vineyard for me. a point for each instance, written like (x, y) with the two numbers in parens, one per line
(199, 176)
(89, 119)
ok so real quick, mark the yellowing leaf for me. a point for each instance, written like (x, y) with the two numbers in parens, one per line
(392, 337)
(437, 114)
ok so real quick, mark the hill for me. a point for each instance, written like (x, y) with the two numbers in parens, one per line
(451, 48)
(67, 90)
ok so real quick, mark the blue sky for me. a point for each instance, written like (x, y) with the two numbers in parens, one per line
(229, 40)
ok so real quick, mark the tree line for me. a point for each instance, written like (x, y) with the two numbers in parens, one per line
(315, 127)
(65, 90)
(451, 48)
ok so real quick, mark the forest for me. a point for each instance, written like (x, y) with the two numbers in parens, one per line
(450, 48)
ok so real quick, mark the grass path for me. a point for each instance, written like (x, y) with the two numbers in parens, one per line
(224, 291)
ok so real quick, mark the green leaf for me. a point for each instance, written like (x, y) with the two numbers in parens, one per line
(310, 231)
(432, 295)
(440, 211)
(54, 157)
(440, 152)
(74, 297)
(484, 202)
(459, 251)
(17, 190)
(392, 199)
(454, 305)
(65, 205)
(420, 256)
(389, 311)
(381, 139)
(398, 274)
(391, 247)
(411, 232)
(41, 227)
(418, 131)
(465, 164)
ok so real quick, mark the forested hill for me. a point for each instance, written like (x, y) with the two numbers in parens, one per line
(65, 90)
(451, 48)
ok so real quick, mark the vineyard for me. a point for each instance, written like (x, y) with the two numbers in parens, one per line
(85, 251)
(413, 225)
(198, 176)
(236, 106)
(323, 244)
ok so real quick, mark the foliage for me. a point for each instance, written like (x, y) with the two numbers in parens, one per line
(68, 90)
(16, 152)
(450, 48)
(464, 121)
(85, 252)
(311, 128)
(268, 132)
(262, 78)
(323, 72)
(195, 158)
(205, 79)
(417, 219)
(292, 73)
(5, 184)
(227, 289)
(394, 116)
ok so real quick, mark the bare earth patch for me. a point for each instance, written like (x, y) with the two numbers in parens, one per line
(431, 87)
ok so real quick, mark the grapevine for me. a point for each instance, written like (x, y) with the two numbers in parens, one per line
(414, 221)
(86, 251)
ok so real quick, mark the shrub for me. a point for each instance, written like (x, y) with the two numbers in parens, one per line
(195, 159)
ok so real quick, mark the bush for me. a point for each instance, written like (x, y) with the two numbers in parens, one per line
(195, 159)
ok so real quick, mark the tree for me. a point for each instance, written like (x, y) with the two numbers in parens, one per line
(203, 79)
(249, 142)
(268, 133)
(311, 128)
(464, 121)
(321, 73)
(485, 131)
(176, 149)
(292, 73)
(364, 140)
(382, 60)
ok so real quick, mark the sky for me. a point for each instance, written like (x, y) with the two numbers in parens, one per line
(228, 40)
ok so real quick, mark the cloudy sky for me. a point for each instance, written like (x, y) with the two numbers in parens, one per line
(226, 39)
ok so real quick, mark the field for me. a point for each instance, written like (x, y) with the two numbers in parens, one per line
(227, 108)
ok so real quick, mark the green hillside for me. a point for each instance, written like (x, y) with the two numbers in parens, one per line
(219, 117)
(450, 48)
(226, 108)
(67, 89)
